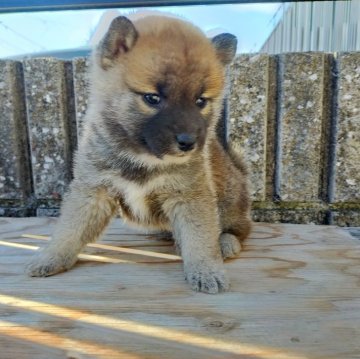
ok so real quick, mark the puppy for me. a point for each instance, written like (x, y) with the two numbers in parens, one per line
(150, 150)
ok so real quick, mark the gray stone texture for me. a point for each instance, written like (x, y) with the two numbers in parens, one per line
(347, 160)
(81, 89)
(295, 120)
(50, 120)
(303, 114)
(299, 216)
(346, 218)
(47, 212)
(251, 116)
(15, 172)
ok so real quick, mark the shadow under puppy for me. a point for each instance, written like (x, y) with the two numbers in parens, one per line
(149, 150)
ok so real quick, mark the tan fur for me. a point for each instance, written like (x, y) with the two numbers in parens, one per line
(199, 194)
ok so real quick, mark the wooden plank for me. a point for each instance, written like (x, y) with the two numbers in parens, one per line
(295, 294)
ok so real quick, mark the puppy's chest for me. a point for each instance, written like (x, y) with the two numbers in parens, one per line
(141, 204)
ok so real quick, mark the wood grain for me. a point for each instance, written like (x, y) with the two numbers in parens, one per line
(295, 294)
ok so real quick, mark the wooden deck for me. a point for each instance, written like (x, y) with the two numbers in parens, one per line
(295, 294)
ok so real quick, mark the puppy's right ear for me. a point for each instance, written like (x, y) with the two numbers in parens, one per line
(225, 46)
(119, 39)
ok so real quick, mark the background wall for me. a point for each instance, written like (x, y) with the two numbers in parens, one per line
(294, 116)
(316, 26)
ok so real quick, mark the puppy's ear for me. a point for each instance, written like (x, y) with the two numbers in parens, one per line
(119, 39)
(225, 45)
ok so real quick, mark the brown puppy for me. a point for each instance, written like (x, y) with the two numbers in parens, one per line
(150, 150)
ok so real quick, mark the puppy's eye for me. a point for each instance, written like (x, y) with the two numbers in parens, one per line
(152, 99)
(201, 102)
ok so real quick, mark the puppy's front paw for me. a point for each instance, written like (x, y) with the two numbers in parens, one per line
(230, 245)
(207, 280)
(46, 263)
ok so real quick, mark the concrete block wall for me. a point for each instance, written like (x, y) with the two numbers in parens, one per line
(295, 117)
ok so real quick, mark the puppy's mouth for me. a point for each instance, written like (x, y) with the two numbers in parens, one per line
(176, 149)
(181, 154)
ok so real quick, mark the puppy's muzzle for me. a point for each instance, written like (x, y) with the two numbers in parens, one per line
(185, 141)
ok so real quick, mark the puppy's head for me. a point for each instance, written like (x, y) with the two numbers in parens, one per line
(162, 84)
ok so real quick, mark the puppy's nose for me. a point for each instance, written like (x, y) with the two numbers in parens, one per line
(185, 141)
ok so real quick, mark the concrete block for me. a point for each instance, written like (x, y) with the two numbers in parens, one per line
(252, 117)
(15, 171)
(51, 124)
(347, 160)
(11, 211)
(81, 89)
(298, 216)
(47, 212)
(345, 218)
(304, 101)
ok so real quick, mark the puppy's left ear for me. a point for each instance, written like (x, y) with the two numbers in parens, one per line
(225, 46)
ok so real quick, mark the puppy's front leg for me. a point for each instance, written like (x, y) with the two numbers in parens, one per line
(85, 212)
(196, 230)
